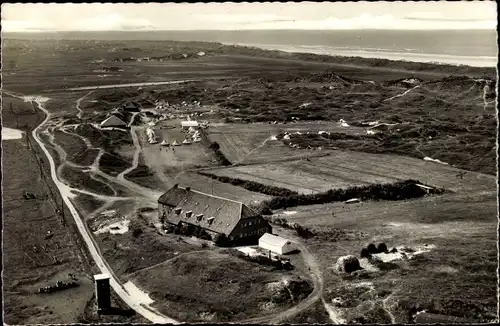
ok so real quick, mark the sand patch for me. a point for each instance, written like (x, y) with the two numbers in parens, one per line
(403, 253)
(9, 133)
(120, 227)
(434, 160)
(137, 294)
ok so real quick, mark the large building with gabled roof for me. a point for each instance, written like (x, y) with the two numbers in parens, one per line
(214, 214)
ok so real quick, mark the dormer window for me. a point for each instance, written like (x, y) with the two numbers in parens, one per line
(199, 217)
(189, 214)
(211, 220)
(178, 210)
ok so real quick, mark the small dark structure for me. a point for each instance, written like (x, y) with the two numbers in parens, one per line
(428, 318)
(131, 107)
(102, 292)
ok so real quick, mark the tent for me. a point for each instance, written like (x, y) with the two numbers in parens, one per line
(276, 244)
(113, 121)
(175, 143)
(191, 129)
(186, 141)
(164, 143)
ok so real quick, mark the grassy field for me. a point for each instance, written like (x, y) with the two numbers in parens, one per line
(32, 259)
(340, 169)
(190, 286)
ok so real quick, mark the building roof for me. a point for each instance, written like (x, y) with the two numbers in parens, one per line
(130, 105)
(273, 240)
(428, 318)
(190, 123)
(98, 277)
(226, 213)
(113, 121)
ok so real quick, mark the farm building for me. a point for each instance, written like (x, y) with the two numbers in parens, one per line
(427, 318)
(113, 121)
(216, 215)
(131, 107)
(189, 124)
(276, 244)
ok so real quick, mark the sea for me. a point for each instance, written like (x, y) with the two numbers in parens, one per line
(476, 48)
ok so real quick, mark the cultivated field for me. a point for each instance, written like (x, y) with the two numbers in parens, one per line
(341, 169)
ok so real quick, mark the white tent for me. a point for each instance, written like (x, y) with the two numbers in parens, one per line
(191, 129)
(175, 143)
(185, 141)
(113, 121)
(164, 143)
(276, 244)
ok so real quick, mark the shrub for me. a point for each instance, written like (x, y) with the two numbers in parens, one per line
(382, 247)
(221, 240)
(215, 146)
(348, 264)
(372, 249)
(365, 253)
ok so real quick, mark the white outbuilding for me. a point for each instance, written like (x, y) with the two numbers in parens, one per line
(189, 124)
(276, 244)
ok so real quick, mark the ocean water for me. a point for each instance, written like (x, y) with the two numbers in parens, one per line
(469, 47)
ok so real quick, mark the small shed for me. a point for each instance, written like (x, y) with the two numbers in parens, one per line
(189, 124)
(276, 244)
(113, 121)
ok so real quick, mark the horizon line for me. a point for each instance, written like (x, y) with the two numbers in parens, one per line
(249, 29)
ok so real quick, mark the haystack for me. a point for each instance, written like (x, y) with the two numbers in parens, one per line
(347, 264)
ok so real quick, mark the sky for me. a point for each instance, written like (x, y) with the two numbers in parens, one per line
(239, 16)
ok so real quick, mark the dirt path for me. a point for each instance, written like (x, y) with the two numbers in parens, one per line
(384, 306)
(65, 191)
(80, 112)
(135, 160)
(255, 149)
(402, 94)
(130, 85)
(315, 295)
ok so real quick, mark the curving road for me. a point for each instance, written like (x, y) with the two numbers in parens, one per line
(315, 295)
(140, 307)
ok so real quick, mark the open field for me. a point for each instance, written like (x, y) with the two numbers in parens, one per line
(196, 280)
(33, 258)
(341, 169)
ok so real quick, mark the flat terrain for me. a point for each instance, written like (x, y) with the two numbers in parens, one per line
(341, 169)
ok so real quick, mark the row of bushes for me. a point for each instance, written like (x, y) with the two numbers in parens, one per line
(252, 185)
(400, 190)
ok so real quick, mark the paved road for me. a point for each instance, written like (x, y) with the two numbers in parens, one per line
(140, 307)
